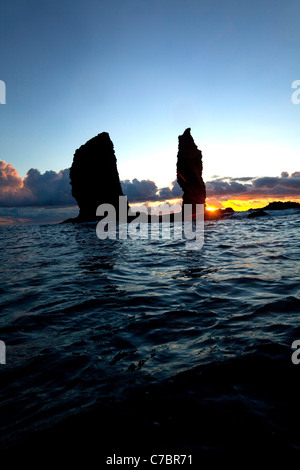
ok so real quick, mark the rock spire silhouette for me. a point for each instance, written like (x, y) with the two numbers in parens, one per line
(94, 176)
(189, 170)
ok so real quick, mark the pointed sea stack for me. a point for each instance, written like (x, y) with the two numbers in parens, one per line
(94, 177)
(189, 171)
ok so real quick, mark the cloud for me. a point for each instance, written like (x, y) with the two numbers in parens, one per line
(139, 191)
(278, 187)
(225, 188)
(171, 193)
(243, 178)
(36, 189)
(10, 182)
(146, 190)
(53, 188)
(49, 188)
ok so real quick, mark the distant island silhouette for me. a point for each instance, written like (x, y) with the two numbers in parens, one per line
(272, 206)
(279, 206)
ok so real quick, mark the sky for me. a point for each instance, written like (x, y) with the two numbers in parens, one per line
(144, 71)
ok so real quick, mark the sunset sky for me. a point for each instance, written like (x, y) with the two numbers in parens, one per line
(144, 71)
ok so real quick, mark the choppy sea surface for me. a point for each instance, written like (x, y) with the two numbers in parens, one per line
(191, 349)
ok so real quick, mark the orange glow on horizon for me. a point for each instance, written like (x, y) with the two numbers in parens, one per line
(215, 204)
(246, 204)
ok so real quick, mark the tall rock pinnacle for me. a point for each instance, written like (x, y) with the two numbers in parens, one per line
(94, 176)
(189, 170)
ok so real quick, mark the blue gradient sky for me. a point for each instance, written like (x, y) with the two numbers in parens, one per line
(144, 71)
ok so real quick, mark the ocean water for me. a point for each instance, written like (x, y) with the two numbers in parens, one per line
(191, 349)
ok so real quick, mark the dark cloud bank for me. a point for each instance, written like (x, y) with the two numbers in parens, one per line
(53, 189)
(36, 189)
(260, 187)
